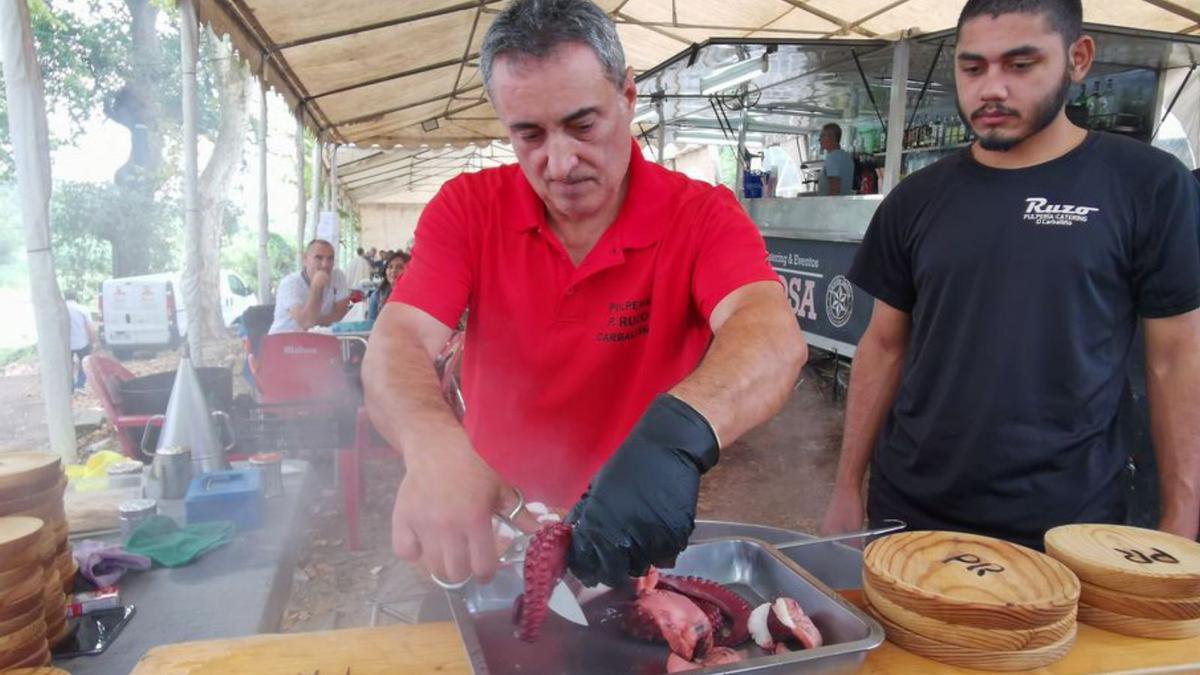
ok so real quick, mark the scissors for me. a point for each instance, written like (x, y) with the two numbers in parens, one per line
(562, 600)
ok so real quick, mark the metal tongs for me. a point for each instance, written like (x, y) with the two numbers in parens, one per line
(889, 525)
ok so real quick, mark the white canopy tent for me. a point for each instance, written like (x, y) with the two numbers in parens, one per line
(383, 75)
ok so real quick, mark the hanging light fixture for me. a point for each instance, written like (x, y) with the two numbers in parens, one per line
(731, 76)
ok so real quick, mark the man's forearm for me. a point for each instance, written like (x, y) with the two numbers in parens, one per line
(749, 370)
(335, 315)
(403, 396)
(874, 377)
(1174, 393)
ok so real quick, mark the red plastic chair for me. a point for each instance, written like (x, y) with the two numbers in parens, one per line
(308, 368)
(105, 377)
(300, 368)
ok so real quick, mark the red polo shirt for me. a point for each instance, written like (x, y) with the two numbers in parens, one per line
(560, 361)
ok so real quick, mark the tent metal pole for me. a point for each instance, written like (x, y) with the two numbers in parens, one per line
(25, 93)
(264, 233)
(896, 105)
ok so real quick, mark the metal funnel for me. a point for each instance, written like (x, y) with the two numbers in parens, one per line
(189, 424)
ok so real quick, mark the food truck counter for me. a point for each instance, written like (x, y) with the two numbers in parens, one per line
(811, 243)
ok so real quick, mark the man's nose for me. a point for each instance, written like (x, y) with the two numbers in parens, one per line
(993, 86)
(561, 157)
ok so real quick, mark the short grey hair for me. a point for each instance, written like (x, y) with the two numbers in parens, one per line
(538, 27)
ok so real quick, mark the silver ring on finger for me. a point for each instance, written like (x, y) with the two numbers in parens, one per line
(456, 586)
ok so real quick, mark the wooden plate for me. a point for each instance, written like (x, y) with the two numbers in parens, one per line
(34, 584)
(24, 473)
(35, 648)
(987, 639)
(17, 574)
(966, 657)
(68, 579)
(1159, 629)
(20, 621)
(22, 636)
(970, 580)
(1130, 604)
(59, 635)
(1157, 564)
(36, 665)
(37, 500)
(21, 607)
(17, 534)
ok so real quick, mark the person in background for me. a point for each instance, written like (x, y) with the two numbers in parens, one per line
(82, 338)
(380, 263)
(1009, 279)
(837, 178)
(317, 295)
(360, 268)
(393, 268)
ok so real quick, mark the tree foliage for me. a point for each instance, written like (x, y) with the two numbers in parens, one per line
(83, 258)
(241, 256)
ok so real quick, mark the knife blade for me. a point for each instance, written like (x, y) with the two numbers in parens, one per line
(564, 603)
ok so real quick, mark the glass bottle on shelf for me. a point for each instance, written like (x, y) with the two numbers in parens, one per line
(1108, 102)
(1093, 104)
(1082, 99)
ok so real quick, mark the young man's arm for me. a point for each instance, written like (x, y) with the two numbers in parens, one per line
(874, 378)
(1173, 386)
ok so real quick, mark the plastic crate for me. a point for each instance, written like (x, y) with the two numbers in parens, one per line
(291, 428)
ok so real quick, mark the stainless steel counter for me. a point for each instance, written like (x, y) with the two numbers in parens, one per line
(820, 218)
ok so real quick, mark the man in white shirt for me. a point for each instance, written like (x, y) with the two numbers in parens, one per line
(317, 295)
(83, 336)
(837, 178)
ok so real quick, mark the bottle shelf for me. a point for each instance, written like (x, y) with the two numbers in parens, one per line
(939, 148)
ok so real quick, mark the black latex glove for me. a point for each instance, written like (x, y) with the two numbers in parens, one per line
(641, 507)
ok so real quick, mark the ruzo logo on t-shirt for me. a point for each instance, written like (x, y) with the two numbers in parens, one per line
(1039, 211)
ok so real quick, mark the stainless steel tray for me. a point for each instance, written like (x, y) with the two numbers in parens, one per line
(755, 571)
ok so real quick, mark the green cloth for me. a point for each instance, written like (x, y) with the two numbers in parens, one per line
(167, 544)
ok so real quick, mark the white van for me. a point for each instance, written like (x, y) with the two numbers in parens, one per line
(148, 311)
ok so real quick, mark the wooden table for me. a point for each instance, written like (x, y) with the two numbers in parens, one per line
(436, 648)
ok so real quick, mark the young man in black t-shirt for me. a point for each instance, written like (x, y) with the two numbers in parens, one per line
(1009, 279)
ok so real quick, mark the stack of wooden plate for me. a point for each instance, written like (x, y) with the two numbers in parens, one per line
(971, 601)
(1134, 581)
(32, 484)
(23, 552)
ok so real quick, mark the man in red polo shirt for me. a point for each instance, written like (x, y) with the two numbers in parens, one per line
(623, 324)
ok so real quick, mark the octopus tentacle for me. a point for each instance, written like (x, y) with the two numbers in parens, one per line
(735, 609)
(545, 564)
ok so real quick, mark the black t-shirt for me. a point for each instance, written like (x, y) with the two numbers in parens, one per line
(1024, 288)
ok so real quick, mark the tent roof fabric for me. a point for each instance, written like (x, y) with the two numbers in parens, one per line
(387, 74)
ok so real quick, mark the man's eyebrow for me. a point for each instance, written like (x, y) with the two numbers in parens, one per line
(582, 112)
(572, 117)
(1024, 50)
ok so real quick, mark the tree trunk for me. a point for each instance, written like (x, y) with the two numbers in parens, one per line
(301, 204)
(136, 107)
(193, 258)
(205, 322)
(264, 233)
(31, 152)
